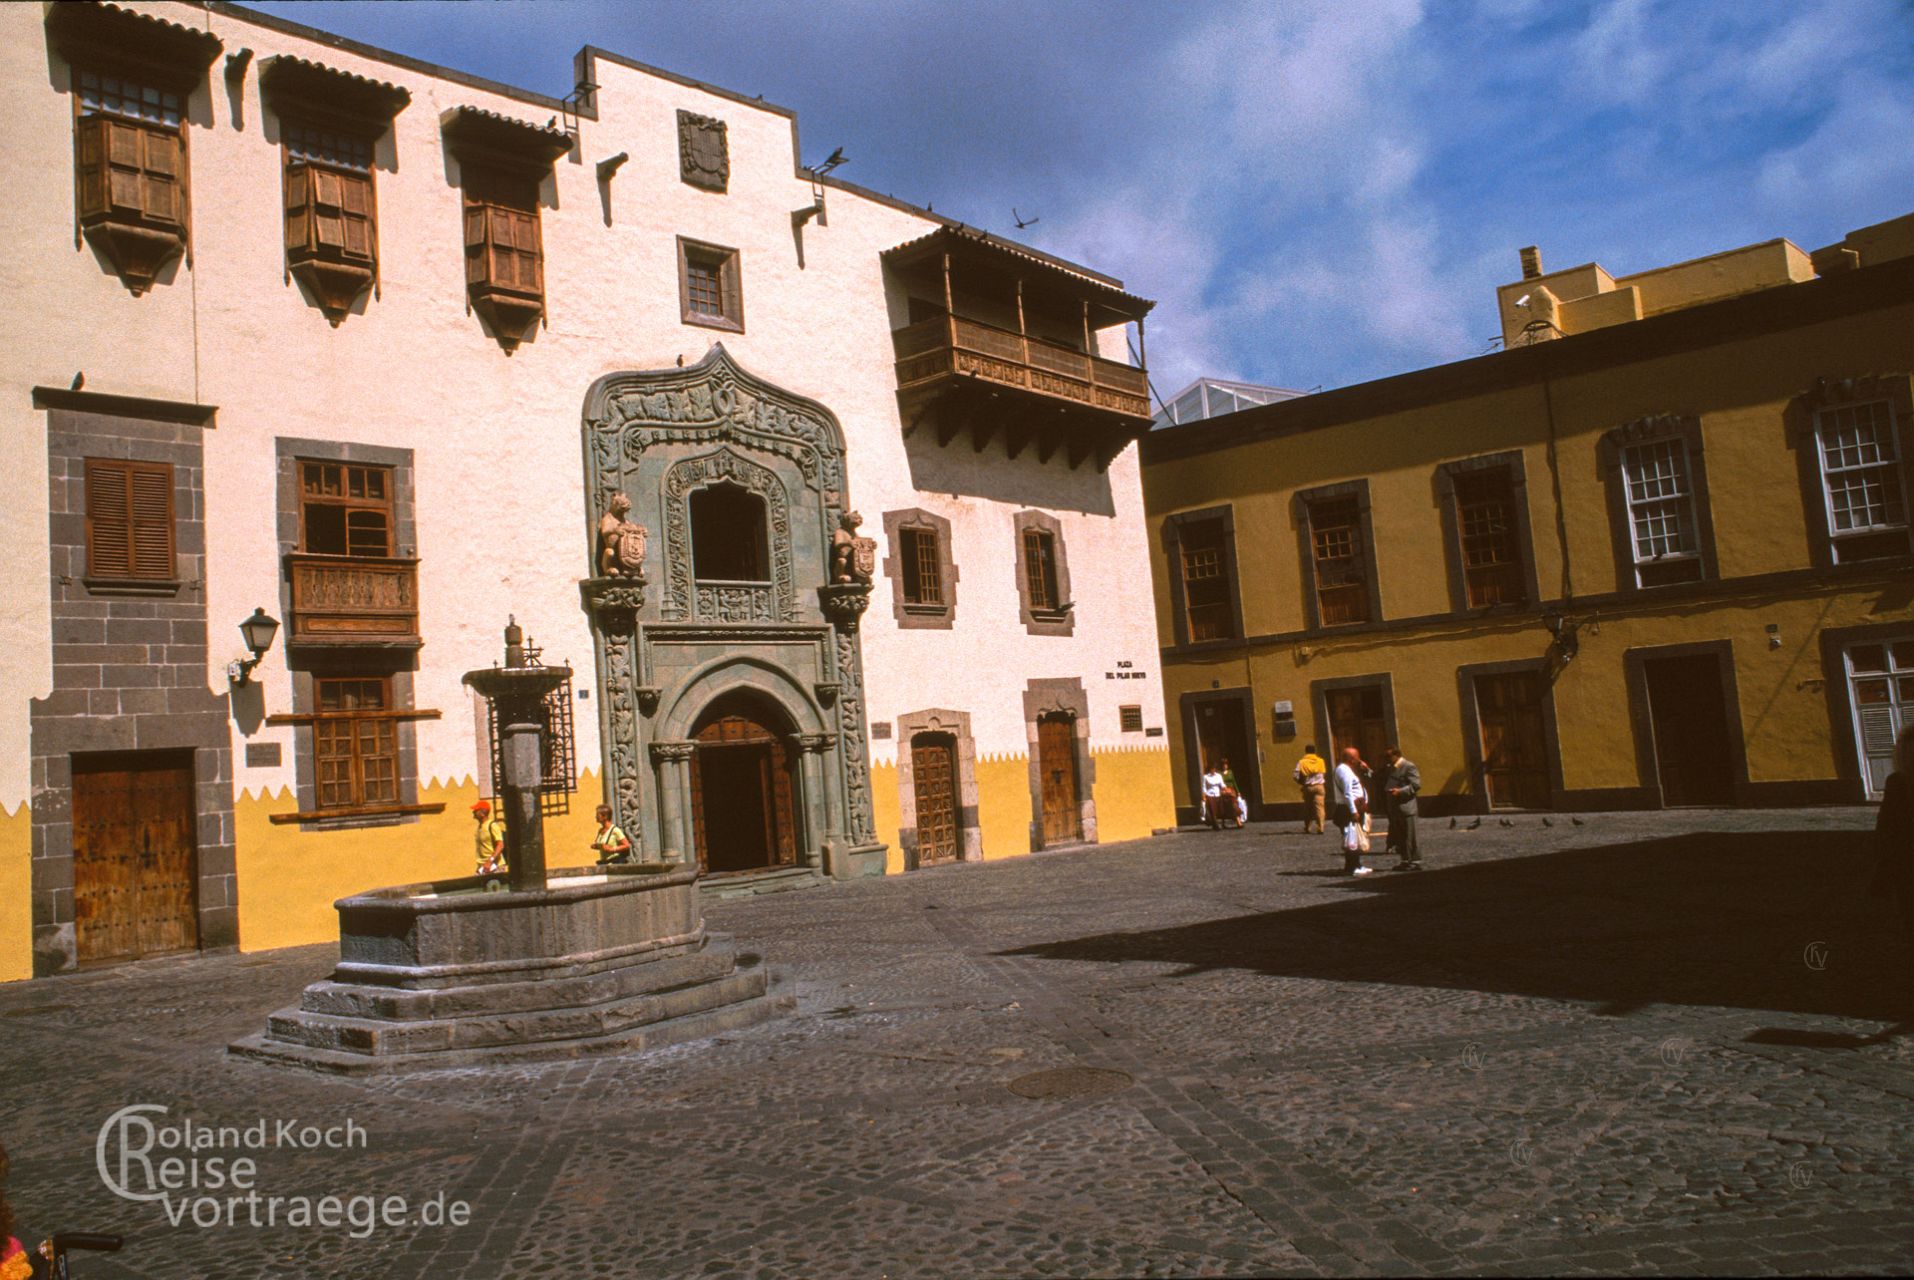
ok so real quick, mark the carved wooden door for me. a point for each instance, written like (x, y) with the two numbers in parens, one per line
(741, 795)
(134, 864)
(1514, 751)
(1057, 764)
(933, 758)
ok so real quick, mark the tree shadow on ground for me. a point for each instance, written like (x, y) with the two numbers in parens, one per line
(1761, 920)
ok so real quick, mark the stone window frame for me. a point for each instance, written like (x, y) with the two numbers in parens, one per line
(1804, 436)
(970, 828)
(1445, 477)
(1304, 500)
(1172, 536)
(729, 267)
(1044, 696)
(1610, 456)
(920, 617)
(1061, 619)
(306, 664)
(103, 702)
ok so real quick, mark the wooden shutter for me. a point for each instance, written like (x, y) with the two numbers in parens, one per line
(299, 233)
(129, 519)
(109, 533)
(730, 282)
(475, 247)
(92, 167)
(159, 179)
(355, 215)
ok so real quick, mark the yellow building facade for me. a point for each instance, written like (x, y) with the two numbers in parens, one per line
(1656, 552)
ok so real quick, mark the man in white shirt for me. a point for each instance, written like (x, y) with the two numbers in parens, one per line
(1352, 801)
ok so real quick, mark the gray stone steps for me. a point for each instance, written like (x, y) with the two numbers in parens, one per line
(365, 1000)
(651, 1035)
(477, 1030)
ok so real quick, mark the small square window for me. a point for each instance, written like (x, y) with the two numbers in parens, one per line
(710, 291)
(1131, 718)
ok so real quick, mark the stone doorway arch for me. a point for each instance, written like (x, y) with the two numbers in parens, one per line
(745, 790)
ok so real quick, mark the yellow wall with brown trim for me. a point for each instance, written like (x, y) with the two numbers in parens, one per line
(1003, 804)
(289, 879)
(1746, 395)
(887, 814)
(16, 893)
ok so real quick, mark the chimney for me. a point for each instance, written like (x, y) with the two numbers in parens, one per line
(1531, 263)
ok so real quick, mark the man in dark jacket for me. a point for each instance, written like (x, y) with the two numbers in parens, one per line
(1400, 785)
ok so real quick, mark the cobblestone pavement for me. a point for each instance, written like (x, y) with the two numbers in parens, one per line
(1651, 1043)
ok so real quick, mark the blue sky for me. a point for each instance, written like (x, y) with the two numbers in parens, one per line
(1315, 193)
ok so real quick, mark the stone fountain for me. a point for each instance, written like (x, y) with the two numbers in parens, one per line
(537, 964)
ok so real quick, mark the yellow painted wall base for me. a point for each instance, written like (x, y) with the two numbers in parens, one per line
(1003, 805)
(1133, 792)
(289, 879)
(16, 893)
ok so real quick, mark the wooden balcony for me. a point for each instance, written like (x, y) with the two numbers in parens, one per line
(976, 379)
(353, 601)
(960, 375)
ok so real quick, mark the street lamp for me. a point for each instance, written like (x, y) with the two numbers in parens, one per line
(258, 631)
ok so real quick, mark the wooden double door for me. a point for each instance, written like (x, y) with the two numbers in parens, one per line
(1508, 708)
(1689, 718)
(135, 861)
(743, 790)
(1057, 768)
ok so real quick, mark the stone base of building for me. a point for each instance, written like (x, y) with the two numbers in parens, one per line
(455, 974)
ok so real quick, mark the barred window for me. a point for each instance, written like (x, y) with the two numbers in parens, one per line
(923, 566)
(1861, 480)
(1206, 588)
(1661, 513)
(1340, 562)
(1040, 568)
(710, 288)
(1491, 549)
(1130, 719)
(355, 744)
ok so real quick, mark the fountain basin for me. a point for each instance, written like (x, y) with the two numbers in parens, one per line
(459, 971)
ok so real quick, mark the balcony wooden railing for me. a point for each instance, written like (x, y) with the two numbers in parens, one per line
(945, 345)
(347, 600)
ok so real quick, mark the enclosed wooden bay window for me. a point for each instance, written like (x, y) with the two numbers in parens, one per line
(330, 125)
(347, 585)
(502, 164)
(132, 77)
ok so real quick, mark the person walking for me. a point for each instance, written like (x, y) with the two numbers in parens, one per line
(1234, 806)
(1400, 786)
(1894, 845)
(1352, 803)
(488, 845)
(1311, 776)
(1213, 797)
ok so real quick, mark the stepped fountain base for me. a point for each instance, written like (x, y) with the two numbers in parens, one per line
(465, 971)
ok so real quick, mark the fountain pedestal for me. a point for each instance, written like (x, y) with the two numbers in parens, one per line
(540, 964)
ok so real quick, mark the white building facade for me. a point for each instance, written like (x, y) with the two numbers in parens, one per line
(314, 329)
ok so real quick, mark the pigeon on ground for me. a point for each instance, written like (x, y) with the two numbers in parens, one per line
(1547, 823)
(1505, 822)
(1577, 821)
(1453, 822)
(1473, 825)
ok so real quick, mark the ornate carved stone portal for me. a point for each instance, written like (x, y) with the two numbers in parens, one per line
(775, 623)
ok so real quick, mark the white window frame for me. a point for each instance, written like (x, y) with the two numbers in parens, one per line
(1900, 710)
(1681, 502)
(1823, 419)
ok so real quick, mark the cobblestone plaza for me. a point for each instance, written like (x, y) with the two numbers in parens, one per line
(1654, 1043)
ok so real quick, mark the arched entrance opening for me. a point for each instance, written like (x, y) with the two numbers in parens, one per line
(743, 786)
